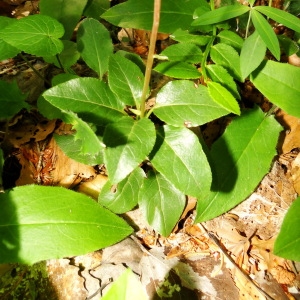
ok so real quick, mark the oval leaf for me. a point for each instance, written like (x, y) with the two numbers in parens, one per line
(38, 35)
(6, 50)
(178, 69)
(38, 223)
(287, 244)
(89, 97)
(223, 97)
(240, 160)
(181, 103)
(252, 54)
(128, 143)
(278, 82)
(231, 38)
(266, 33)
(221, 14)
(125, 79)
(161, 203)
(123, 196)
(139, 14)
(178, 155)
(95, 45)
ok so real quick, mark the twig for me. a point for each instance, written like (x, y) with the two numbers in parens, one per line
(149, 64)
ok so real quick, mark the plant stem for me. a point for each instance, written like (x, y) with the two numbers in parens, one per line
(151, 51)
(248, 24)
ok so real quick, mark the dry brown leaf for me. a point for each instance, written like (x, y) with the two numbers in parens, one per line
(295, 173)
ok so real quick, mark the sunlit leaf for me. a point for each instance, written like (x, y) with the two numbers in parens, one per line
(181, 103)
(252, 54)
(279, 82)
(266, 33)
(240, 158)
(122, 197)
(128, 143)
(184, 36)
(287, 244)
(6, 50)
(95, 45)
(35, 34)
(178, 155)
(231, 38)
(154, 200)
(38, 223)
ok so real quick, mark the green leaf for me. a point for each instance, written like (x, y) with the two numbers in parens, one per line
(126, 287)
(184, 36)
(38, 223)
(280, 16)
(6, 50)
(224, 55)
(181, 103)
(289, 47)
(279, 83)
(91, 145)
(240, 158)
(38, 35)
(223, 97)
(221, 14)
(252, 54)
(95, 45)
(139, 14)
(161, 203)
(128, 143)
(187, 52)
(67, 12)
(177, 155)
(287, 244)
(123, 196)
(62, 77)
(89, 97)
(72, 147)
(95, 8)
(136, 59)
(125, 80)
(178, 69)
(231, 38)
(11, 99)
(266, 33)
(1, 169)
(219, 74)
(68, 57)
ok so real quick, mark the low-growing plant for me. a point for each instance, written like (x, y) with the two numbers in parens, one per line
(148, 164)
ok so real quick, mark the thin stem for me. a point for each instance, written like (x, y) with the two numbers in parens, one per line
(149, 64)
(248, 24)
(35, 70)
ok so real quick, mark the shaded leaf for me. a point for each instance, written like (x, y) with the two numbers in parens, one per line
(187, 52)
(95, 8)
(95, 45)
(252, 54)
(11, 99)
(240, 158)
(279, 83)
(161, 203)
(223, 97)
(289, 46)
(181, 103)
(39, 223)
(36, 34)
(89, 97)
(178, 155)
(123, 196)
(266, 33)
(280, 16)
(126, 287)
(67, 12)
(287, 244)
(184, 36)
(231, 38)
(178, 69)
(125, 79)
(224, 55)
(139, 14)
(219, 74)
(221, 14)
(128, 143)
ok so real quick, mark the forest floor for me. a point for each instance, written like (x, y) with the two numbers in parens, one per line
(230, 257)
